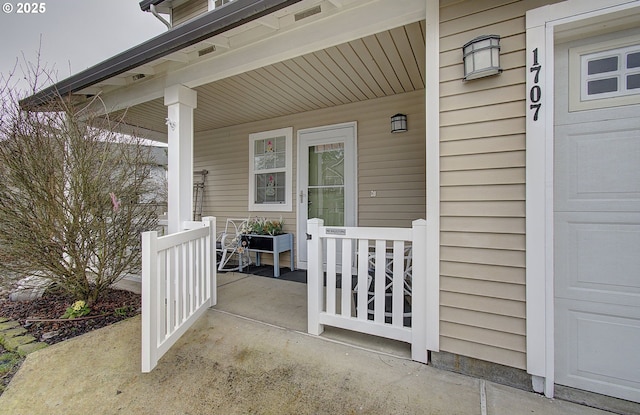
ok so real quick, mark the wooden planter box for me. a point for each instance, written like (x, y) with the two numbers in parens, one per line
(272, 244)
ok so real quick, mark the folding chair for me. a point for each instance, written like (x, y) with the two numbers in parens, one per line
(232, 254)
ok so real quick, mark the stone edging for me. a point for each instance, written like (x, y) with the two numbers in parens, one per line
(14, 338)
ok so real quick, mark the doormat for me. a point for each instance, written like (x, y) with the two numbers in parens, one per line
(297, 275)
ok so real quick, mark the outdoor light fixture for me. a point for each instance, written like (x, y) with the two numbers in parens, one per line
(399, 123)
(481, 57)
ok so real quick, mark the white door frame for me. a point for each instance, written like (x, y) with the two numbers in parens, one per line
(544, 25)
(349, 164)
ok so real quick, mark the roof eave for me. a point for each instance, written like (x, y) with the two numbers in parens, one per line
(209, 24)
(145, 5)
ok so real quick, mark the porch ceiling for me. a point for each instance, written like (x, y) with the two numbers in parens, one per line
(387, 63)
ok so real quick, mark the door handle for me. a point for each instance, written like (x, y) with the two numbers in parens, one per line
(301, 196)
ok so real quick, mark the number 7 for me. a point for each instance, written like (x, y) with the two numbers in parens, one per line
(535, 69)
(537, 108)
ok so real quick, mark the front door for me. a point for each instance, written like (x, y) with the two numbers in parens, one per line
(597, 214)
(326, 179)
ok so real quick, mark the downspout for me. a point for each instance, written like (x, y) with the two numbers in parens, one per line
(152, 9)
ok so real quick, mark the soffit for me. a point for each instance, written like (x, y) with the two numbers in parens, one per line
(217, 45)
(129, 67)
(387, 63)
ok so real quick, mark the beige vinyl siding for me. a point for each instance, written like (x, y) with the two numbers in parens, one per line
(391, 164)
(482, 161)
(188, 10)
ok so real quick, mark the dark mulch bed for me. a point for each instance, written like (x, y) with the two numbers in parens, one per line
(115, 305)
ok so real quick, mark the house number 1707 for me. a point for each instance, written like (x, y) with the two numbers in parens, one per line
(535, 93)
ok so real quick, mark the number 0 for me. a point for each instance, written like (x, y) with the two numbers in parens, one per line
(535, 94)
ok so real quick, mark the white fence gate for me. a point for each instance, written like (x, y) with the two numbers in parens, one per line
(178, 285)
(387, 278)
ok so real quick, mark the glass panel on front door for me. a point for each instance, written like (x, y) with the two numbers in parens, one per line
(326, 183)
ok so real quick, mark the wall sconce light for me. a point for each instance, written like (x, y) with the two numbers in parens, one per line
(399, 123)
(481, 57)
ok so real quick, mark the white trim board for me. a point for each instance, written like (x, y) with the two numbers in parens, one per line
(432, 138)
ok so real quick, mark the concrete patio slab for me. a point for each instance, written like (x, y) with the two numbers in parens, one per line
(233, 364)
(504, 400)
(284, 304)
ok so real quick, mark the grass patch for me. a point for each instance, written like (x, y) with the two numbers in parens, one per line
(9, 364)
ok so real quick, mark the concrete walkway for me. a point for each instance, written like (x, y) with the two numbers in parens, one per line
(233, 364)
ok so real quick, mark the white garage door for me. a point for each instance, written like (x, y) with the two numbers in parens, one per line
(597, 215)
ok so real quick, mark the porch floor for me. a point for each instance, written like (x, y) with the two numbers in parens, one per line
(249, 354)
(284, 304)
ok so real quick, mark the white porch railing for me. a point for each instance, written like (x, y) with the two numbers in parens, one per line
(390, 271)
(178, 285)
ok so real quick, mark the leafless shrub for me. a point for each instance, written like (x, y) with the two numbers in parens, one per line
(72, 203)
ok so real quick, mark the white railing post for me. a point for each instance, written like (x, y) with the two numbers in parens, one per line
(211, 261)
(419, 293)
(149, 300)
(315, 277)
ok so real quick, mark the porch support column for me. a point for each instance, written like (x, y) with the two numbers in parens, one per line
(432, 138)
(180, 102)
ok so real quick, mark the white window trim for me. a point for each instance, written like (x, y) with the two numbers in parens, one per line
(288, 170)
(577, 101)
